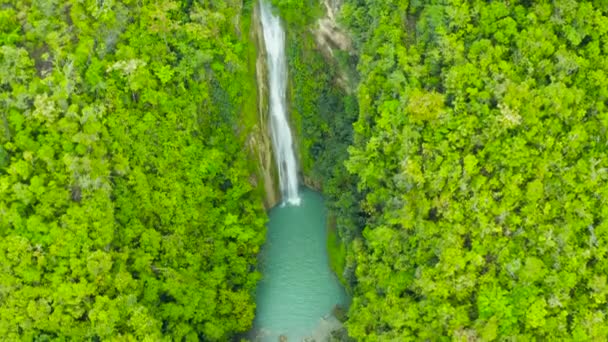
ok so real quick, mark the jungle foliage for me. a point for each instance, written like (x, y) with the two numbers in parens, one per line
(481, 151)
(467, 177)
(298, 14)
(126, 209)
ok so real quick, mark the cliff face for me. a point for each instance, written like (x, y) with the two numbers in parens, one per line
(330, 37)
(328, 33)
(259, 142)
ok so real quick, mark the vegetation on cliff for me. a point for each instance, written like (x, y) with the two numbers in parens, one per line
(322, 112)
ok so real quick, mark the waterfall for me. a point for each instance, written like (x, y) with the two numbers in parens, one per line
(282, 141)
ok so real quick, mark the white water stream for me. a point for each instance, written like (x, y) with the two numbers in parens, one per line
(282, 140)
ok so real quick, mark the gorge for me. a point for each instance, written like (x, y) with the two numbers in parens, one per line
(298, 290)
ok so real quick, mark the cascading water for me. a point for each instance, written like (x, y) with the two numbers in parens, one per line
(274, 39)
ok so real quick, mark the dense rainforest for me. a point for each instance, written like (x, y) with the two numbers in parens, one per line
(127, 212)
(461, 146)
(481, 151)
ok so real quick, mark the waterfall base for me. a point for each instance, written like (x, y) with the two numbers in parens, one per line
(298, 291)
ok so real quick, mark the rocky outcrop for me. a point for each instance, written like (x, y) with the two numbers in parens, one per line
(333, 7)
(313, 183)
(330, 37)
(259, 142)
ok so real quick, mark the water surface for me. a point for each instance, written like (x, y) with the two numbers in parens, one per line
(298, 290)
